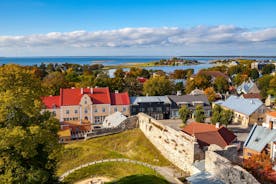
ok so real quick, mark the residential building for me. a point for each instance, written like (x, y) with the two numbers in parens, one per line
(247, 87)
(270, 101)
(86, 104)
(114, 120)
(191, 101)
(270, 120)
(252, 95)
(207, 134)
(260, 64)
(213, 74)
(246, 111)
(157, 107)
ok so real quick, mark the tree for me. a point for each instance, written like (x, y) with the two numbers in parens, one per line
(53, 82)
(199, 115)
(263, 84)
(216, 114)
(254, 74)
(267, 69)
(221, 84)
(210, 93)
(29, 142)
(226, 117)
(119, 73)
(158, 86)
(184, 113)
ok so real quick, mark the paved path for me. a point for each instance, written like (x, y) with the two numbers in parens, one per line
(166, 172)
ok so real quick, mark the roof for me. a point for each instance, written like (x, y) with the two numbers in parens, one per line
(142, 79)
(207, 134)
(213, 74)
(259, 137)
(135, 100)
(203, 177)
(51, 101)
(72, 96)
(120, 99)
(247, 87)
(252, 95)
(115, 119)
(189, 99)
(272, 113)
(64, 133)
(76, 126)
(241, 105)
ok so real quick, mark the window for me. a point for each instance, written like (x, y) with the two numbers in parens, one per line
(97, 119)
(54, 113)
(85, 102)
(67, 111)
(115, 109)
(76, 111)
(95, 110)
(85, 111)
(103, 109)
(124, 109)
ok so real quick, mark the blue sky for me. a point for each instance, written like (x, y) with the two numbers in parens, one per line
(91, 23)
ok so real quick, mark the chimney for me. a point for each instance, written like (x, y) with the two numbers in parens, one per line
(217, 125)
(270, 126)
(81, 90)
(116, 91)
(91, 90)
(178, 93)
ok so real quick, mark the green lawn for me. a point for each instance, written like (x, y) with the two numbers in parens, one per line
(138, 179)
(130, 144)
(120, 172)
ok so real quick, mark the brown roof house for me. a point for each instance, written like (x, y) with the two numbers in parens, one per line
(207, 134)
(213, 74)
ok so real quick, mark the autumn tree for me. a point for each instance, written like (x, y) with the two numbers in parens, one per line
(184, 113)
(267, 69)
(53, 82)
(221, 84)
(199, 115)
(263, 84)
(158, 86)
(210, 93)
(216, 114)
(29, 142)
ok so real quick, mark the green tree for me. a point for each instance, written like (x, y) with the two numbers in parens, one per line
(53, 82)
(119, 73)
(254, 74)
(184, 113)
(263, 84)
(158, 86)
(226, 117)
(199, 115)
(267, 69)
(216, 114)
(29, 146)
(221, 84)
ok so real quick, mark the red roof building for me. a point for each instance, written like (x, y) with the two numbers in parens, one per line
(87, 104)
(207, 134)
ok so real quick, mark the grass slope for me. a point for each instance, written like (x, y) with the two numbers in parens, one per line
(115, 171)
(130, 144)
(138, 179)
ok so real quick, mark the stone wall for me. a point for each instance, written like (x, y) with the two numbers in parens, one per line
(223, 169)
(179, 148)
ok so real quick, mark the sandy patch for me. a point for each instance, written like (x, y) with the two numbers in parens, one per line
(94, 180)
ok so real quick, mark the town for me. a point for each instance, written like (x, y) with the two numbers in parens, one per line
(225, 106)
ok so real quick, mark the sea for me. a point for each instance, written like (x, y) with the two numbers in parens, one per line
(120, 60)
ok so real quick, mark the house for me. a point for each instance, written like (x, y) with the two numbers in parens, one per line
(77, 130)
(260, 64)
(213, 74)
(247, 87)
(246, 111)
(113, 120)
(197, 92)
(86, 104)
(64, 135)
(156, 106)
(191, 101)
(207, 134)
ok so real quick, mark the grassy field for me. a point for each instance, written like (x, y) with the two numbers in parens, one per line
(130, 144)
(116, 171)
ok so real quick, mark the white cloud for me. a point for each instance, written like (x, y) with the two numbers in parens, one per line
(219, 37)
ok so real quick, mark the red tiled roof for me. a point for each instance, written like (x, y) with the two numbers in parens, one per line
(120, 99)
(50, 101)
(207, 134)
(142, 79)
(252, 95)
(73, 96)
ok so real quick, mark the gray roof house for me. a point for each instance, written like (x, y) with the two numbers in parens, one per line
(191, 101)
(260, 139)
(249, 110)
(248, 87)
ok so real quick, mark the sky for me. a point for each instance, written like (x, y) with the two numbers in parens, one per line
(137, 27)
